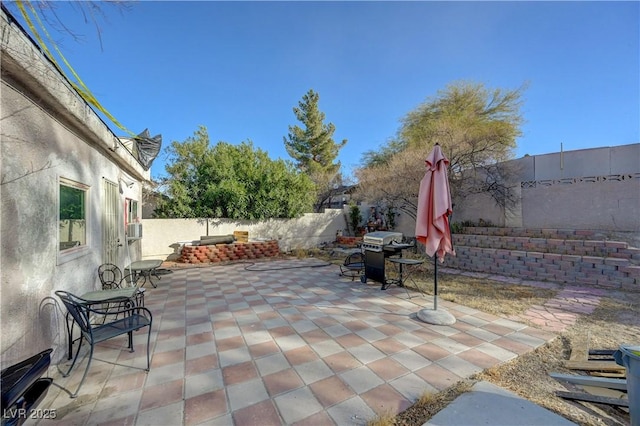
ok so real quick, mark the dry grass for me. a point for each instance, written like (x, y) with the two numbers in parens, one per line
(615, 321)
(387, 419)
(429, 404)
(488, 296)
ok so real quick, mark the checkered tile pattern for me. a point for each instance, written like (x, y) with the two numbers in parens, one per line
(284, 342)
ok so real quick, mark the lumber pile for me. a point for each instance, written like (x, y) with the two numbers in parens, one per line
(605, 382)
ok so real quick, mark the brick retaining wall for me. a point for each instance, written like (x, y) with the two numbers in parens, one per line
(573, 234)
(224, 252)
(348, 241)
(581, 247)
(567, 256)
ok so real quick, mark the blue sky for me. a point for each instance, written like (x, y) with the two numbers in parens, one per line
(239, 68)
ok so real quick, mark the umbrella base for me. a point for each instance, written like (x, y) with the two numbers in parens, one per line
(436, 317)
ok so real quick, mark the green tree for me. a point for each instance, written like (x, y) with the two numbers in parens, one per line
(355, 217)
(477, 128)
(231, 181)
(313, 149)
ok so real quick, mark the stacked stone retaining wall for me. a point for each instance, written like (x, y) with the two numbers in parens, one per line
(215, 253)
(348, 241)
(574, 234)
(568, 256)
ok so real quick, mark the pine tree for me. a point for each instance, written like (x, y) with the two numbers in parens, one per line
(313, 147)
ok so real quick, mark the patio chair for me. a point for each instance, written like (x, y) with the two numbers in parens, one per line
(83, 314)
(112, 278)
(112, 301)
(353, 266)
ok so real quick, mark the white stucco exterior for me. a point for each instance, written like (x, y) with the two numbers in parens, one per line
(48, 135)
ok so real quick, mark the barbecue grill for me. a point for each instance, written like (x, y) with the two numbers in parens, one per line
(377, 247)
(23, 388)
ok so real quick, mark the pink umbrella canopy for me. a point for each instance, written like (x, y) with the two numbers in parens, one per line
(434, 207)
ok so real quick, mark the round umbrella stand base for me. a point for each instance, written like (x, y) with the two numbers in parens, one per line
(436, 317)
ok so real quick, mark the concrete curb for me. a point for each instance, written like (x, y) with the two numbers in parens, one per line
(488, 404)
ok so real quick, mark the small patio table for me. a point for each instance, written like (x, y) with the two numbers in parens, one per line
(406, 267)
(145, 269)
(97, 297)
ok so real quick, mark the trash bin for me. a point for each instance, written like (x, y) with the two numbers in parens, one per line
(629, 357)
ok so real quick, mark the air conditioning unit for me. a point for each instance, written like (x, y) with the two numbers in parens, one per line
(134, 230)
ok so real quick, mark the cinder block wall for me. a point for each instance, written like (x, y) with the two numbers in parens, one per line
(165, 238)
(603, 184)
(567, 256)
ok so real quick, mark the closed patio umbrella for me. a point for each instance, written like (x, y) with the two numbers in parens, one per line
(432, 225)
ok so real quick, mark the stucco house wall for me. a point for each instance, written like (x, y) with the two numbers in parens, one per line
(49, 134)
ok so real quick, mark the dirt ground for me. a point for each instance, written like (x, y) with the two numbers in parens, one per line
(615, 321)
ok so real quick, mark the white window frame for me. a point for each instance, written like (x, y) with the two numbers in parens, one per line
(69, 254)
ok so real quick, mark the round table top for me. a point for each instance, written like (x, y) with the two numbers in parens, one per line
(144, 264)
(117, 294)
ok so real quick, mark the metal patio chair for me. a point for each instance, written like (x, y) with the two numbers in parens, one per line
(353, 266)
(96, 326)
(112, 278)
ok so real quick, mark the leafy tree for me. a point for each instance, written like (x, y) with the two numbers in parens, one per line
(477, 129)
(231, 181)
(394, 182)
(314, 149)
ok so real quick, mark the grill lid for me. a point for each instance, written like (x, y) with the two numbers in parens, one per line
(382, 237)
(16, 379)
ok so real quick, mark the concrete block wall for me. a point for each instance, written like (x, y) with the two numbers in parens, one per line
(164, 238)
(566, 256)
(603, 184)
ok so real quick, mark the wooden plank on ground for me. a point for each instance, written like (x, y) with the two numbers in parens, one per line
(611, 393)
(611, 375)
(601, 355)
(594, 366)
(600, 352)
(602, 382)
(583, 396)
(580, 349)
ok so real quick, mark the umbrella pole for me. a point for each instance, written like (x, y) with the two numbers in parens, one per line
(435, 283)
(435, 316)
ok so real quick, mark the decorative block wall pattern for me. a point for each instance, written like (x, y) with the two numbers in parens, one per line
(567, 256)
(226, 252)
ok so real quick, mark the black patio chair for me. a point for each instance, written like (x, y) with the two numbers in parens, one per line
(94, 332)
(112, 278)
(353, 266)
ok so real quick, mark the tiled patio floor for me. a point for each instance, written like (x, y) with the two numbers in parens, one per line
(291, 344)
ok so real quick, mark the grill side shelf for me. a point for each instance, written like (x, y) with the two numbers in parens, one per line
(21, 383)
